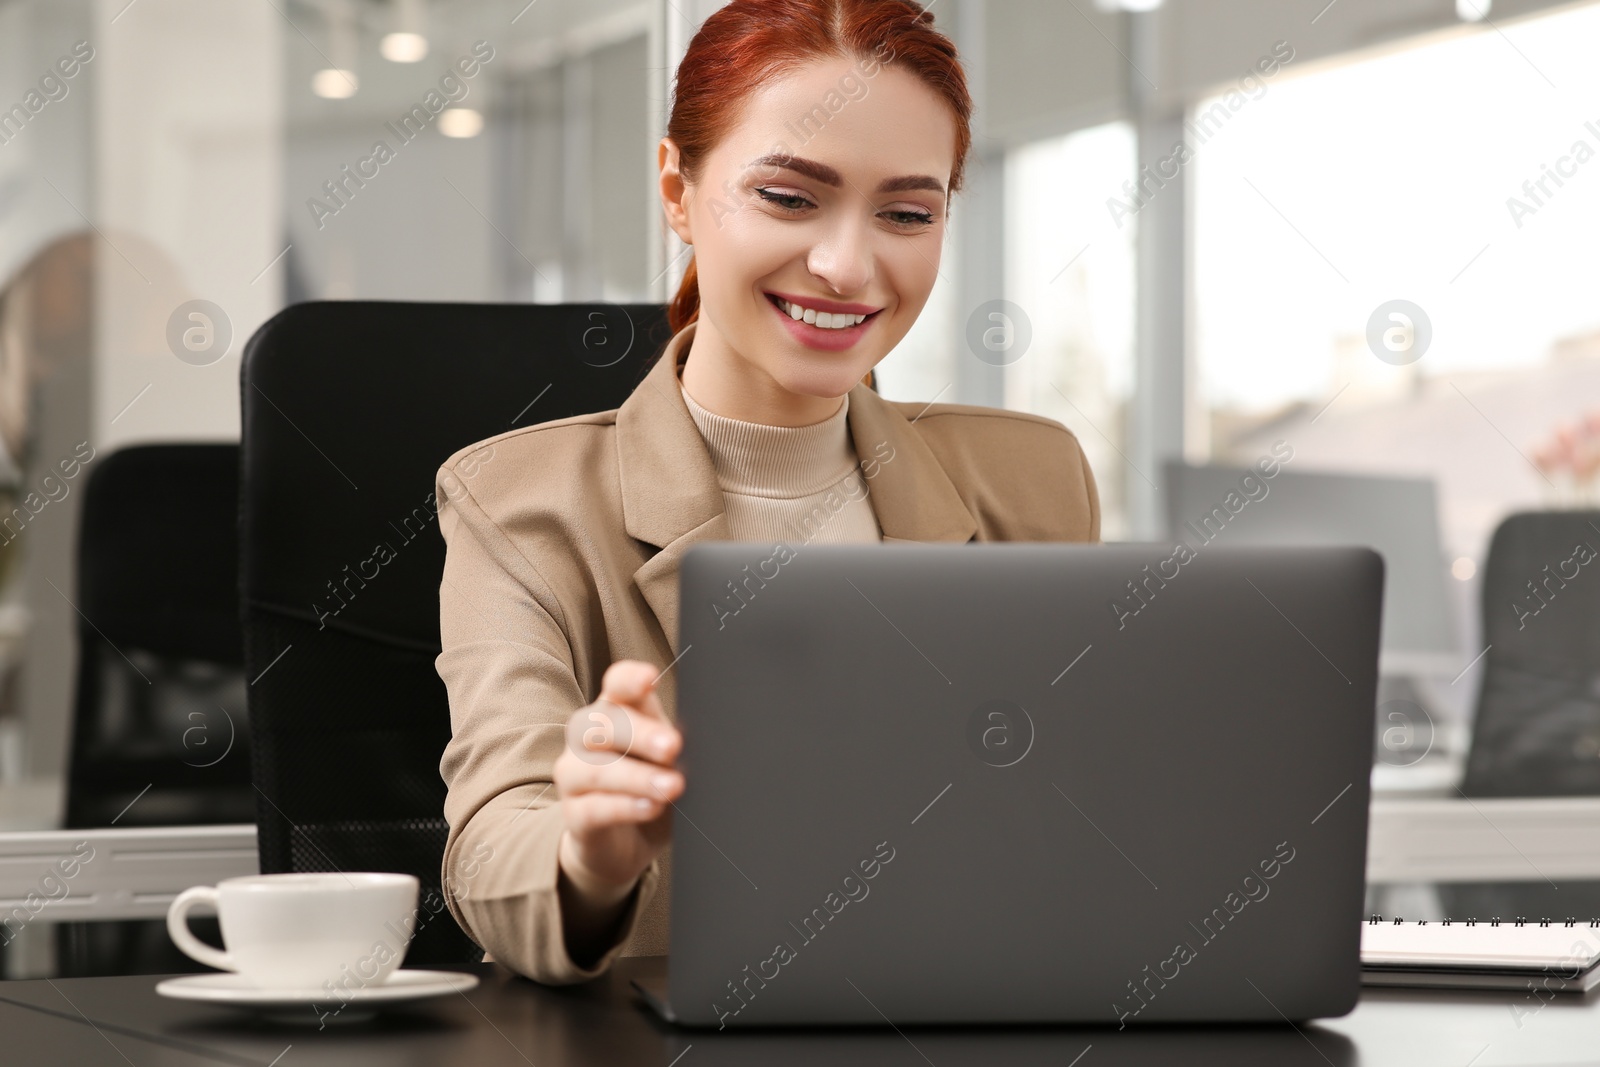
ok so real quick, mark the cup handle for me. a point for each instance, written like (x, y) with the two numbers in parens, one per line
(178, 928)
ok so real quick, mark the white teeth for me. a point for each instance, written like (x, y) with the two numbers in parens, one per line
(822, 319)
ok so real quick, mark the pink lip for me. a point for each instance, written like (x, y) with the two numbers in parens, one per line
(830, 306)
(825, 340)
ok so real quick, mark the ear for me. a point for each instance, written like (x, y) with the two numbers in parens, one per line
(674, 190)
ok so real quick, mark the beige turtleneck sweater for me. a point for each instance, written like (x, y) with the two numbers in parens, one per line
(799, 484)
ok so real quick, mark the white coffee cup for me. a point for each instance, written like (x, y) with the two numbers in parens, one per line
(304, 931)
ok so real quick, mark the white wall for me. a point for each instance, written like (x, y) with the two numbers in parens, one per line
(55, 144)
(187, 190)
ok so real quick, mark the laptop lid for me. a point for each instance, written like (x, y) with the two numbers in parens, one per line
(1021, 783)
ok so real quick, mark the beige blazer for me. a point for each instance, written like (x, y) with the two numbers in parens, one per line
(564, 541)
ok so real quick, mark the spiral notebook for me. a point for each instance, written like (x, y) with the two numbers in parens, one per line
(1555, 955)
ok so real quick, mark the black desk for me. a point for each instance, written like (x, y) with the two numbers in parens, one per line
(506, 1020)
(31, 1039)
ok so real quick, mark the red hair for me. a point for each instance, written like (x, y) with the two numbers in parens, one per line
(748, 43)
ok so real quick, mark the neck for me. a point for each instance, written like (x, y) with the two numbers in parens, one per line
(726, 383)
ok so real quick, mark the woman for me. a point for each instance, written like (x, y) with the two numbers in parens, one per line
(810, 159)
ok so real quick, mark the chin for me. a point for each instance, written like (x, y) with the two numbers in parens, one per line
(822, 379)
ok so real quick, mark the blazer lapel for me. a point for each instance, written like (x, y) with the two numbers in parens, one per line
(670, 496)
(911, 494)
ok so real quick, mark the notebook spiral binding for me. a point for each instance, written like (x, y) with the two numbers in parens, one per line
(1520, 920)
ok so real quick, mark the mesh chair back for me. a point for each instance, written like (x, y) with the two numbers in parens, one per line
(1537, 731)
(160, 735)
(348, 410)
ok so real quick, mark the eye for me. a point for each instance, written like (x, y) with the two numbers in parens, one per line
(910, 219)
(792, 203)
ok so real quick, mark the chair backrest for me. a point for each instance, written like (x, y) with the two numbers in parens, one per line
(159, 714)
(348, 411)
(1537, 731)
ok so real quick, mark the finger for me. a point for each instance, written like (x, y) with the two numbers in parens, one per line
(603, 732)
(631, 682)
(592, 812)
(634, 777)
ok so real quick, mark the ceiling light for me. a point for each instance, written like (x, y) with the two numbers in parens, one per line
(408, 43)
(331, 83)
(460, 122)
(1472, 10)
(338, 81)
(402, 47)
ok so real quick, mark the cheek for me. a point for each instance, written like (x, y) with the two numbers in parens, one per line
(741, 253)
(910, 269)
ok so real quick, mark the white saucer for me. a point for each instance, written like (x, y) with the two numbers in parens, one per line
(235, 989)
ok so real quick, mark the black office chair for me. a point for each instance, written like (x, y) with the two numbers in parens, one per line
(160, 736)
(1537, 731)
(348, 411)
(159, 730)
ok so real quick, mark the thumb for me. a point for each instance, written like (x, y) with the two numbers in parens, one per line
(631, 682)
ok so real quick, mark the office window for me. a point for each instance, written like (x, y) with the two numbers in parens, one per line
(1070, 269)
(1458, 175)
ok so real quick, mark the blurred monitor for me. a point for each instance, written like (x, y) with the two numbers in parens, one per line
(1398, 517)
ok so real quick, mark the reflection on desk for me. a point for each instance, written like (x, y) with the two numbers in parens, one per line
(1279, 1046)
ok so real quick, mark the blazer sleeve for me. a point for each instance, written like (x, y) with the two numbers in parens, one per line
(508, 667)
(1093, 491)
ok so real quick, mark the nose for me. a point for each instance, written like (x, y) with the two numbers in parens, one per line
(842, 256)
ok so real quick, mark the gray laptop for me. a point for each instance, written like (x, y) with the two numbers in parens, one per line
(1020, 783)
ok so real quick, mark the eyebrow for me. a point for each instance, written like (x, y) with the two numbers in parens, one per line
(828, 176)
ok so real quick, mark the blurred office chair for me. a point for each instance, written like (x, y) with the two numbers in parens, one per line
(348, 411)
(160, 736)
(1537, 729)
(159, 730)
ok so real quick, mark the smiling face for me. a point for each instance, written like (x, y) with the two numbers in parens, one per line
(830, 195)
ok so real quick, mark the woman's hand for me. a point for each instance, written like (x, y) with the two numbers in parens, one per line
(615, 780)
